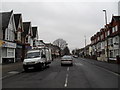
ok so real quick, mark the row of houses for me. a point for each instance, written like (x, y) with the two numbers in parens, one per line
(16, 37)
(105, 44)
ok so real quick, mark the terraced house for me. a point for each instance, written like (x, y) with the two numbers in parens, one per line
(16, 37)
(8, 30)
(114, 38)
(106, 43)
(20, 44)
(27, 34)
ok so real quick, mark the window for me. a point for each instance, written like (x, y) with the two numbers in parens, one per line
(113, 30)
(111, 41)
(19, 36)
(111, 53)
(10, 52)
(26, 39)
(105, 34)
(29, 39)
(34, 43)
(116, 52)
(98, 38)
(108, 33)
(102, 36)
(116, 29)
(116, 40)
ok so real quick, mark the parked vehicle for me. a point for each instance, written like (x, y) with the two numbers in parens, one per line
(67, 60)
(75, 56)
(37, 59)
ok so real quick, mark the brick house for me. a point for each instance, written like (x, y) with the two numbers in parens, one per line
(102, 54)
(114, 38)
(105, 45)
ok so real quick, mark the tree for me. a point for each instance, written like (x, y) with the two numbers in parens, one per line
(66, 51)
(60, 43)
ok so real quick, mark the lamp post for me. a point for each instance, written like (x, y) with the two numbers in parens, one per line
(107, 36)
(85, 46)
(105, 16)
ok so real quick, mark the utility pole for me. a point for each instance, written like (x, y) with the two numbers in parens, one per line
(85, 40)
(85, 45)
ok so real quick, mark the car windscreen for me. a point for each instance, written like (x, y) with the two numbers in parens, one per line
(33, 55)
(67, 57)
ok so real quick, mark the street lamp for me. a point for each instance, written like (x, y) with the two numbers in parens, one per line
(105, 16)
(85, 47)
(107, 38)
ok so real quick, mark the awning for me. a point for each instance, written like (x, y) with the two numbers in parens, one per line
(1, 43)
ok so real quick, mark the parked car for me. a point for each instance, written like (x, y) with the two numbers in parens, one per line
(75, 56)
(67, 60)
(37, 59)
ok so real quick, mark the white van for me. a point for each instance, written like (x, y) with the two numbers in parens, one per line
(37, 59)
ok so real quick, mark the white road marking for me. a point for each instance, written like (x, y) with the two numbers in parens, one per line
(68, 69)
(79, 64)
(66, 81)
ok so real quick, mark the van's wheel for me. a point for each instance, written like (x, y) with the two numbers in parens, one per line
(43, 66)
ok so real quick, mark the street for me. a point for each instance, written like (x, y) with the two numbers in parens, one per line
(81, 75)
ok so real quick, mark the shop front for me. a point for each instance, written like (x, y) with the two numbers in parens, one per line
(8, 52)
(1, 43)
(18, 52)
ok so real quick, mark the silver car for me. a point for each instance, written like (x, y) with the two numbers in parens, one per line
(67, 60)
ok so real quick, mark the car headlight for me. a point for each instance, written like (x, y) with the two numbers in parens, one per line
(36, 62)
(41, 61)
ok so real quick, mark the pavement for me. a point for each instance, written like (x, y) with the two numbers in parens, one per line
(110, 66)
(11, 69)
(82, 74)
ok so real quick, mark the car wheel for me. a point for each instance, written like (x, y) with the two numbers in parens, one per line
(25, 69)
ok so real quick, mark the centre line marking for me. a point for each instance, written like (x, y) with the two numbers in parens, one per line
(68, 69)
(66, 81)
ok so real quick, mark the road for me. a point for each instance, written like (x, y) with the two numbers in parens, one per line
(81, 75)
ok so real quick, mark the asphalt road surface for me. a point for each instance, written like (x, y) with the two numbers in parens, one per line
(81, 75)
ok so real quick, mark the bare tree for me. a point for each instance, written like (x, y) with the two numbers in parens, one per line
(60, 43)
(66, 51)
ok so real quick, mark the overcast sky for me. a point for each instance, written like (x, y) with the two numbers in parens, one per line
(70, 20)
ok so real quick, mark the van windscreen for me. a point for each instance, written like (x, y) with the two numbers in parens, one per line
(33, 54)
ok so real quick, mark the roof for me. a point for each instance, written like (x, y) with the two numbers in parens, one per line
(26, 26)
(115, 18)
(5, 19)
(17, 18)
(34, 30)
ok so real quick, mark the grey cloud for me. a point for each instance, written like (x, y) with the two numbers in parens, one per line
(67, 20)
